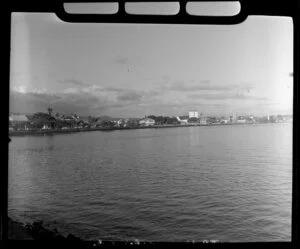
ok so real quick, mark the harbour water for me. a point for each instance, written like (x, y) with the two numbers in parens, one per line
(226, 183)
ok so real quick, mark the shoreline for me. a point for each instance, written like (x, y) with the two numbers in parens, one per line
(72, 130)
(37, 232)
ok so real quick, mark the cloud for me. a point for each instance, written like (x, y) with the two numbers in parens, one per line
(122, 100)
(201, 86)
(205, 85)
(84, 103)
(114, 89)
(271, 103)
(46, 97)
(130, 96)
(203, 82)
(72, 81)
(105, 89)
(225, 96)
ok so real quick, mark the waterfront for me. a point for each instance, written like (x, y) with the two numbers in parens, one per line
(71, 130)
(228, 183)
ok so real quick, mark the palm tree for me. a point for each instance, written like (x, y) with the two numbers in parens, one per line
(50, 110)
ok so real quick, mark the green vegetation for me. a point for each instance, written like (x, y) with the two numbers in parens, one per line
(49, 121)
(162, 120)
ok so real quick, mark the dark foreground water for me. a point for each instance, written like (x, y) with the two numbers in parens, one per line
(229, 183)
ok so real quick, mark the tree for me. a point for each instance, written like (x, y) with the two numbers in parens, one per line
(50, 110)
(172, 121)
(193, 120)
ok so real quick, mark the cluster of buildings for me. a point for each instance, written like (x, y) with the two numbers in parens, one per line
(239, 119)
(121, 122)
(44, 121)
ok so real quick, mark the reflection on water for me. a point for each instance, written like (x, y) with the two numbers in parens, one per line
(230, 183)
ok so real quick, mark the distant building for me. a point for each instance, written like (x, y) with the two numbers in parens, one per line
(119, 122)
(273, 119)
(287, 117)
(224, 120)
(75, 116)
(241, 120)
(18, 118)
(202, 120)
(250, 119)
(147, 122)
(132, 122)
(18, 122)
(193, 114)
(213, 120)
(45, 127)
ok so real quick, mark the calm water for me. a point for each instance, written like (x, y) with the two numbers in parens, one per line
(230, 183)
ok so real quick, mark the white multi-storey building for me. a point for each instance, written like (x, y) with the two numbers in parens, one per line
(147, 122)
(193, 114)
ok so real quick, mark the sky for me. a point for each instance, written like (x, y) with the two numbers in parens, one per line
(134, 70)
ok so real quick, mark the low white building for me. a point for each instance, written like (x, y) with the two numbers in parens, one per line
(18, 118)
(203, 121)
(45, 127)
(224, 121)
(147, 122)
(193, 114)
(241, 120)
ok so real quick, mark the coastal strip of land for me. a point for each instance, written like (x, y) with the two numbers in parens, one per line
(35, 231)
(71, 130)
(47, 238)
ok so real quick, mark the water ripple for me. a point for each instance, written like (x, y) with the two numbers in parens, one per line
(224, 183)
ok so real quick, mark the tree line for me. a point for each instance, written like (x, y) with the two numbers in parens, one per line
(161, 120)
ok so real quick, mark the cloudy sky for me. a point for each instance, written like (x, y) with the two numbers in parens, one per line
(131, 70)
